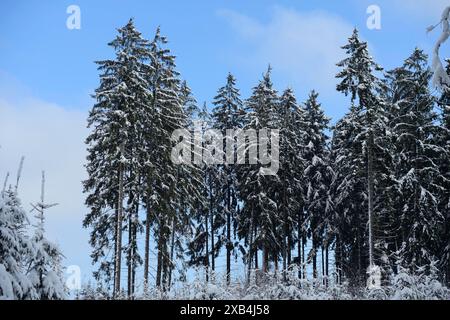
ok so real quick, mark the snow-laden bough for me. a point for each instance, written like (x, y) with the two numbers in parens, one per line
(440, 78)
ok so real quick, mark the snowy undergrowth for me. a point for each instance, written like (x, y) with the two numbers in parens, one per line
(402, 286)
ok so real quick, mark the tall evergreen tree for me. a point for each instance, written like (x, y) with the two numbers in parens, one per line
(317, 174)
(257, 189)
(367, 119)
(416, 162)
(290, 192)
(226, 115)
(443, 140)
(113, 149)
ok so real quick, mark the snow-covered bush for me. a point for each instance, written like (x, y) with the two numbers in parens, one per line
(421, 285)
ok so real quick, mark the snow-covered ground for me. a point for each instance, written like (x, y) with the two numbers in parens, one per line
(402, 286)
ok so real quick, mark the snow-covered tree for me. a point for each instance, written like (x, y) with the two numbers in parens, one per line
(44, 267)
(359, 135)
(317, 175)
(260, 208)
(290, 197)
(416, 162)
(227, 115)
(114, 149)
(15, 247)
(443, 140)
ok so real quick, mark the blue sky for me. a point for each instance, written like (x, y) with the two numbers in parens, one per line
(47, 71)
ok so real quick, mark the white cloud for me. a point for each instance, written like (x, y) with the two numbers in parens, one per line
(303, 46)
(51, 139)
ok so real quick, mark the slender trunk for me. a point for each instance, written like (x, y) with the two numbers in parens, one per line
(275, 261)
(284, 258)
(370, 195)
(160, 256)
(289, 246)
(314, 256)
(265, 262)
(299, 247)
(255, 248)
(338, 259)
(130, 255)
(147, 249)
(211, 216)
(172, 250)
(228, 235)
(115, 249)
(250, 249)
(165, 265)
(207, 244)
(326, 264)
(303, 257)
(118, 244)
(134, 247)
(323, 263)
(285, 236)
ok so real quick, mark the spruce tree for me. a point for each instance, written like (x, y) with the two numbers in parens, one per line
(226, 115)
(368, 122)
(443, 140)
(44, 265)
(317, 174)
(113, 151)
(290, 189)
(15, 247)
(258, 190)
(417, 157)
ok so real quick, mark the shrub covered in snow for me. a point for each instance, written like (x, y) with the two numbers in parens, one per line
(403, 286)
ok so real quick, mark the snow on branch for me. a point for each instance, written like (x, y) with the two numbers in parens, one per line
(440, 78)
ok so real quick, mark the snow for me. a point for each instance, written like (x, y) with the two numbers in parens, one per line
(440, 77)
(402, 286)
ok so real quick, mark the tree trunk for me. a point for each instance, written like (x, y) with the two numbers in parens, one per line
(370, 195)
(211, 216)
(323, 263)
(228, 236)
(172, 250)
(303, 257)
(338, 259)
(118, 244)
(326, 263)
(130, 255)
(314, 256)
(299, 247)
(265, 262)
(147, 248)
(289, 246)
(206, 244)
(250, 249)
(160, 256)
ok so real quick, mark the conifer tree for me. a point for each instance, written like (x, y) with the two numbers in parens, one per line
(416, 162)
(113, 149)
(317, 174)
(226, 115)
(291, 124)
(367, 119)
(260, 207)
(44, 265)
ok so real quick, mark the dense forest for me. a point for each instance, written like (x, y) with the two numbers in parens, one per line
(358, 198)
(369, 193)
